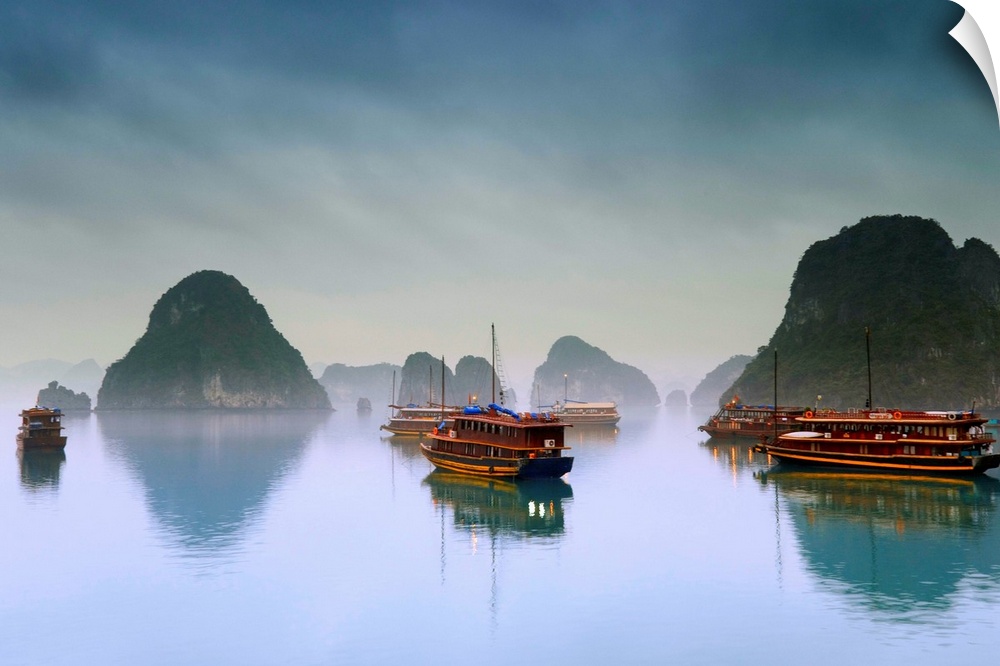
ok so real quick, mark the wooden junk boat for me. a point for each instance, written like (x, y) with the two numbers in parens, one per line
(41, 428)
(587, 413)
(496, 441)
(734, 419)
(415, 421)
(916, 442)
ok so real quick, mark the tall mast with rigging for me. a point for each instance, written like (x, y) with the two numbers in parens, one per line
(498, 375)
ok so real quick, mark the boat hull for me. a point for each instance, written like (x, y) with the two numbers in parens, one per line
(746, 432)
(590, 421)
(937, 465)
(43, 443)
(414, 430)
(522, 468)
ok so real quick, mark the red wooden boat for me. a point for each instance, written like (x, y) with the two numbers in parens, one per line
(41, 428)
(734, 419)
(924, 442)
(497, 441)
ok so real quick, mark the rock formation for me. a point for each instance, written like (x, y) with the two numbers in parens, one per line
(676, 398)
(345, 384)
(932, 309)
(63, 398)
(710, 390)
(208, 344)
(575, 370)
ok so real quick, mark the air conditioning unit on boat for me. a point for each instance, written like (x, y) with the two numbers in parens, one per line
(550, 443)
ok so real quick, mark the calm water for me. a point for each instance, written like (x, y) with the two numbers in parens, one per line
(311, 539)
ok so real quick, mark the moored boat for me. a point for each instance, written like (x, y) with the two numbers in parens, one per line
(415, 421)
(499, 442)
(924, 442)
(735, 419)
(41, 428)
(587, 413)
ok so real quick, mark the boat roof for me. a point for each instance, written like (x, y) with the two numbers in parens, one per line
(780, 408)
(511, 418)
(41, 410)
(894, 415)
(589, 405)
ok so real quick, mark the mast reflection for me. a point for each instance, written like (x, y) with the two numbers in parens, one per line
(207, 475)
(903, 545)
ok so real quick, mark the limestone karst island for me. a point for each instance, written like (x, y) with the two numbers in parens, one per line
(210, 344)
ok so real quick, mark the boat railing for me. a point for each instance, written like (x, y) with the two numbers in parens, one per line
(886, 414)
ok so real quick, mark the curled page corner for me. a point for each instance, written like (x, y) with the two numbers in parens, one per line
(969, 33)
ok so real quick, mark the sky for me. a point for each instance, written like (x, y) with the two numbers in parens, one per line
(394, 177)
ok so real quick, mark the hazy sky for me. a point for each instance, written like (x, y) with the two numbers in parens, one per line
(391, 177)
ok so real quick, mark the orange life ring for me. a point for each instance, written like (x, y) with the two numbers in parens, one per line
(897, 415)
(809, 414)
(435, 431)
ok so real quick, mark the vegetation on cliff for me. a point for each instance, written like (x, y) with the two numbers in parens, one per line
(933, 310)
(209, 343)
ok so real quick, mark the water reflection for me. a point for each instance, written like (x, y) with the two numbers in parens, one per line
(903, 545)
(208, 474)
(735, 453)
(40, 468)
(522, 509)
(405, 448)
(591, 434)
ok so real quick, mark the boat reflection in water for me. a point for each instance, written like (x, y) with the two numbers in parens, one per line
(904, 545)
(207, 474)
(735, 453)
(40, 468)
(523, 508)
(579, 435)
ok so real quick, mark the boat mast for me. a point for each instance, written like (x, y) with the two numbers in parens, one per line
(442, 388)
(498, 376)
(493, 382)
(868, 353)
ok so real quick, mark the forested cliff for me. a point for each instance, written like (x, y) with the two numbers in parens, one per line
(933, 311)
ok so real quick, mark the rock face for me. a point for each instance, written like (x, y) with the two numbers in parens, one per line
(579, 371)
(421, 382)
(210, 344)
(933, 311)
(345, 384)
(85, 377)
(711, 391)
(63, 398)
(676, 398)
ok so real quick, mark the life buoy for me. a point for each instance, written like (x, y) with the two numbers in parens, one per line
(897, 415)
(435, 431)
(809, 414)
(951, 416)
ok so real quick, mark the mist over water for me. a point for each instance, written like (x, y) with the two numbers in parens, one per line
(307, 537)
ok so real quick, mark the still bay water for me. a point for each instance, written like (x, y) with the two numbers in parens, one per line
(309, 538)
